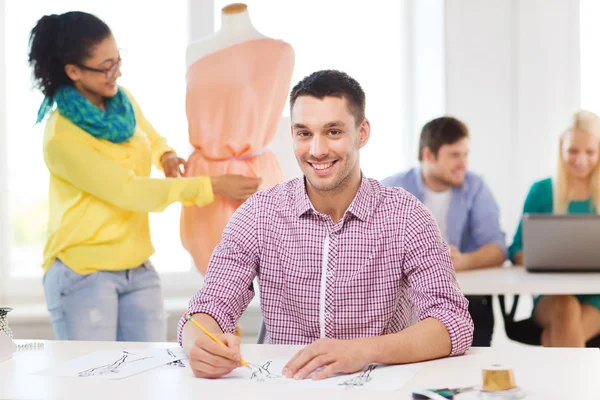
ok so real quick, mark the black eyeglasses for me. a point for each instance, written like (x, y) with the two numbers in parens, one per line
(109, 73)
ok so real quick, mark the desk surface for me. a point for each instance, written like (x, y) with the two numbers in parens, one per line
(516, 280)
(542, 373)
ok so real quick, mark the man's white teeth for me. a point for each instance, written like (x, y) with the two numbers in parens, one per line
(322, 166)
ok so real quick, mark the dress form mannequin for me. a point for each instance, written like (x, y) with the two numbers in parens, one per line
(237, 85)
(236, 27)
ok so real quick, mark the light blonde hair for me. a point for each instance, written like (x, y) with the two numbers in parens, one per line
(585, 121)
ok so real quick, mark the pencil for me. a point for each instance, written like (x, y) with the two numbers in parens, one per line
(210, 335)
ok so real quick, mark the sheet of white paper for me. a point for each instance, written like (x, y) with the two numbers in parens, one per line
(373, 378)
(7, 347)
(115, 364)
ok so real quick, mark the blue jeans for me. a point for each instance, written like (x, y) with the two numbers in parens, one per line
(105, 305)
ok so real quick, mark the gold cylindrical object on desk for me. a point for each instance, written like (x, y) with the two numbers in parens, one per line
(497, 377)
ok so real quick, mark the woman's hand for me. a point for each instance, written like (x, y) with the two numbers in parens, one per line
(171, 164)
(236, 187)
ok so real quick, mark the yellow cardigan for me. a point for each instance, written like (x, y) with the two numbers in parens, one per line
(101, 193)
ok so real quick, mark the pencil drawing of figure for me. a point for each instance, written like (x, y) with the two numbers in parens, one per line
(361, 379)
(261, 373)
(113, 368)
(178, 363)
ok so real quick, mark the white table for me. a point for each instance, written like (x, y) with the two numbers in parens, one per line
(507, 280)
(542, 373)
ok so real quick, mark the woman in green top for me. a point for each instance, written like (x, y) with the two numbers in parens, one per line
(568, 320)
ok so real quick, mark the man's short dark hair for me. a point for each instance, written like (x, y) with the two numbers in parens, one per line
(332, 83)
(441, 131)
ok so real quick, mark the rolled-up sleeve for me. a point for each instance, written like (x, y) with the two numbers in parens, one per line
(434, 289)
(227, 288)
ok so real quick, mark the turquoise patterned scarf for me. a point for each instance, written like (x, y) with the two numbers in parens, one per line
(116, 124)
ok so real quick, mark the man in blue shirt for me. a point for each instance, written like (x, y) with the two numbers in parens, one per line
(463, 206)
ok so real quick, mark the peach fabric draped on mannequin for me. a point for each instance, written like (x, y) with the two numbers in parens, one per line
(235, 98)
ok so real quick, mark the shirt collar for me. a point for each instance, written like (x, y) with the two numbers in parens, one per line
(361, 206)
(302, 203)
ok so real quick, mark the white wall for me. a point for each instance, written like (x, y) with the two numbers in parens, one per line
(4, 228)
(512, 74)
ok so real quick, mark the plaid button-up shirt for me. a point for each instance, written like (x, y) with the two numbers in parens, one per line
(376, 271)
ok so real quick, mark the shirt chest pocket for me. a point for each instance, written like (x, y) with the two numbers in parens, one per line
(359, 257)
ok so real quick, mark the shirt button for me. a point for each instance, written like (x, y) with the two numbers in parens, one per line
(329, 274)
(327, 314)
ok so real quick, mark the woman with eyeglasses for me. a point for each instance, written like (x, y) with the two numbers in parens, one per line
(99, 148)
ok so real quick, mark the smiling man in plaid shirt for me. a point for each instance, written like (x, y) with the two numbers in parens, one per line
(344, 264)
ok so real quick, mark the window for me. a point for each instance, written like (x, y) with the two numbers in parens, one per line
(363, 40)
(153, 69)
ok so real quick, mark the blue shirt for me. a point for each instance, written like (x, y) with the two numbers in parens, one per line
(473, 217)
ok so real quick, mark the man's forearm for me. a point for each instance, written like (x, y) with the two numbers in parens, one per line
(191, 331)
(426, 340)
(490, 255)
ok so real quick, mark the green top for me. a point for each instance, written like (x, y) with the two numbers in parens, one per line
(539, 201)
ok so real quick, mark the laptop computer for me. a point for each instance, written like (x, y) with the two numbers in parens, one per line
(561, 243)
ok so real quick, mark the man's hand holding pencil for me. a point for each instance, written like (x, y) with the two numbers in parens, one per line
(213, 355)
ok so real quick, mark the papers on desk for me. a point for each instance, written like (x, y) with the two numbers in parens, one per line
(7, 347)
(373, 378)
(122, 364)
(115, 364)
